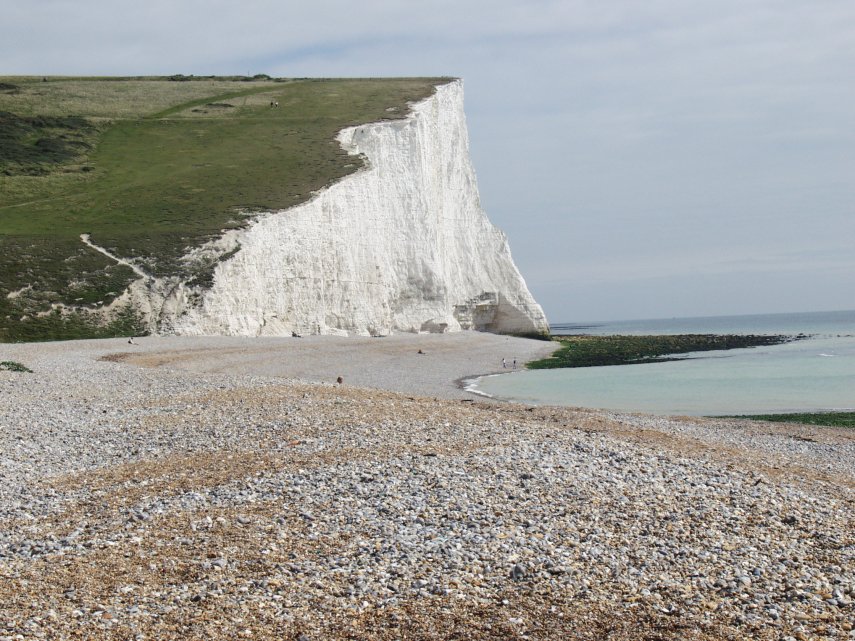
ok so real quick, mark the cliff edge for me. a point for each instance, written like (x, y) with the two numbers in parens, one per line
(402, 245)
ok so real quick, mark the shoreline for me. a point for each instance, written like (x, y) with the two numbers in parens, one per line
(392, 363)
(782, 377)
(179, 488)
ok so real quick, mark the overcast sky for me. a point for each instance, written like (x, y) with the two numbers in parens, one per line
(647, 159)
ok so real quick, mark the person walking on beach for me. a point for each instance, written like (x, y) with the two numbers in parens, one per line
(515, 363)
(504, 364)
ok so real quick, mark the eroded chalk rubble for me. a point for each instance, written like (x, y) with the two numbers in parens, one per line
(151, 503)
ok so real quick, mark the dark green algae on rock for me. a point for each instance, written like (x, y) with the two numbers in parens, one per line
(594, 351)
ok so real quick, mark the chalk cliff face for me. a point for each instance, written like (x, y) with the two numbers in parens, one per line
(402, 245)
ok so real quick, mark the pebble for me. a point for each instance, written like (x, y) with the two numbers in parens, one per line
(248, 495)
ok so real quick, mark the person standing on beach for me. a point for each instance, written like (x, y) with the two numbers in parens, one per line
(515, 363)
(504, 364)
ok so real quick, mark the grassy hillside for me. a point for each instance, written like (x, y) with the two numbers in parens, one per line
(150, 167)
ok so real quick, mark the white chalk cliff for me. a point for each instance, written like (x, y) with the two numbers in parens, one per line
(400, 246)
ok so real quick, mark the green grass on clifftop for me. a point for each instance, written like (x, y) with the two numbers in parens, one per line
(151, 167)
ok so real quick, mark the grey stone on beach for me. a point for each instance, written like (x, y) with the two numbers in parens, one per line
(228, 488)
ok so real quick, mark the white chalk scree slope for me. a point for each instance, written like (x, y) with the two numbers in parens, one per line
(402, 245)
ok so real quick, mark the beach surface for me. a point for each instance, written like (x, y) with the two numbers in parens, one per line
(228, 488)
(423, 364)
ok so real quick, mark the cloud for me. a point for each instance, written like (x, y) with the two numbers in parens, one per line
(613, 140)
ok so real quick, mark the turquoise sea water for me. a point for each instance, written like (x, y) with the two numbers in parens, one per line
(817, 373)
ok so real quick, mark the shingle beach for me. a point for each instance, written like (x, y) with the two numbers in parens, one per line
(228, 488)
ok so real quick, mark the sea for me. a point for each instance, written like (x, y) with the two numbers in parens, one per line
(816, 373)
